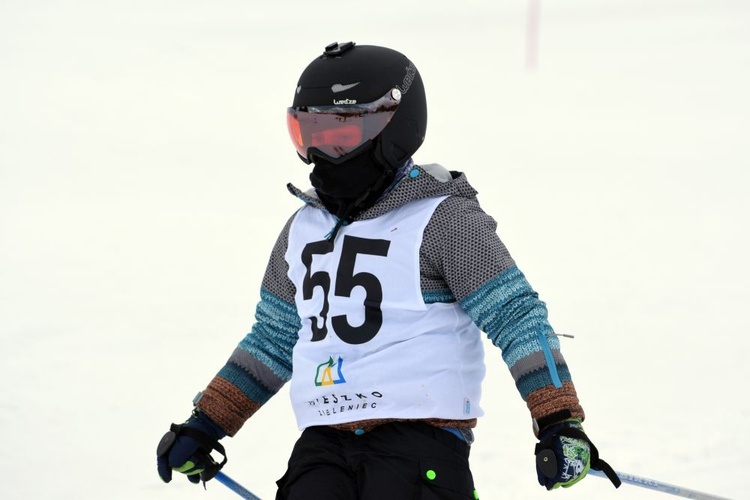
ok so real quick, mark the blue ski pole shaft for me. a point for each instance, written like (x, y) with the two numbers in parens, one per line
(659, 486)
(234, 486)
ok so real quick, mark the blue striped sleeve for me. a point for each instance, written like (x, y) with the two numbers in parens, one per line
(262, 362)
(509, 311)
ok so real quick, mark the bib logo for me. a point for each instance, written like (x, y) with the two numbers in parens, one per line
(324, 375)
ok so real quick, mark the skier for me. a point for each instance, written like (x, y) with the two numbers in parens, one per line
(372, 305)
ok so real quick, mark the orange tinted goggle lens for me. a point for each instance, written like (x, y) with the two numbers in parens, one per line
(337, 130)
(331, 134)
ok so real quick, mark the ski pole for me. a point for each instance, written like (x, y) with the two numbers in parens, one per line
(659, 486)
(234, 486)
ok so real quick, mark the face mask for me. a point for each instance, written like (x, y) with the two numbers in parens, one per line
(349, 180)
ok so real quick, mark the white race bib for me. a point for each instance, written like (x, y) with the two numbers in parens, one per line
(369, 346)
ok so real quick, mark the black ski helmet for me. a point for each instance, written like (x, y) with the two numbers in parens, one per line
(350, 73)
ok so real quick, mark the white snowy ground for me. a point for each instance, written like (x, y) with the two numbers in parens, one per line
(143, 158)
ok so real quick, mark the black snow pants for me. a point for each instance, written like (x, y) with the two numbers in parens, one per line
(395, 461)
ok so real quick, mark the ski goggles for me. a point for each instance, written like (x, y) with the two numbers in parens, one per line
(342, 128)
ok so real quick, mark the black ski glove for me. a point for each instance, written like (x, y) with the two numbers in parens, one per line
(565, 454)
(187, 448)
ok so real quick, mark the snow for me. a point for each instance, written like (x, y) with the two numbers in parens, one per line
(143, 158)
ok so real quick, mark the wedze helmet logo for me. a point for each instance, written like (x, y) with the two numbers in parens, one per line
(411, 71)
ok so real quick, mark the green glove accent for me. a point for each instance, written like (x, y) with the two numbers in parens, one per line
(565, 454)
(563, 458)
(576, 462)
(189, 468)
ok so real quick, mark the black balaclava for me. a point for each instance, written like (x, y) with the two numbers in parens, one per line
(352, 186)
